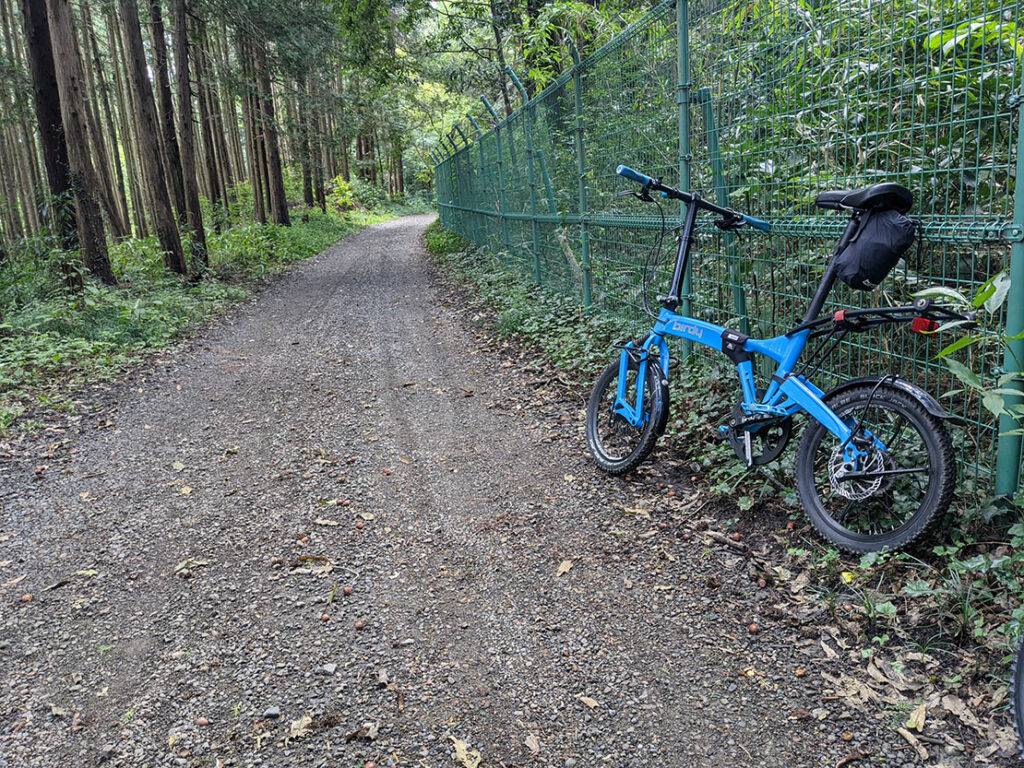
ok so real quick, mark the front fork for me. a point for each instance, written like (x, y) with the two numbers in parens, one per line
(630, 404)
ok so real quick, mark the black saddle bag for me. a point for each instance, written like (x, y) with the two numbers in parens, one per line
(884, 236)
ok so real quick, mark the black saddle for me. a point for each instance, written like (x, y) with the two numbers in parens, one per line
(887, 196)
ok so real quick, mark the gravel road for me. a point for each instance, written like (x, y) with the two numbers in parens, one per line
(346, 525)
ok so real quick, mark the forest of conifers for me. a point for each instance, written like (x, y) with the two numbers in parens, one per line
(172, 118)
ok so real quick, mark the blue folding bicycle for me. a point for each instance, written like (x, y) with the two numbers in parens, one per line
(875, 466)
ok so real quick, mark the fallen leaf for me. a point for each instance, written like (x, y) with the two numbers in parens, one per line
(470, 758)
(178, 466)
(299, 728)
(956, 706)
(186, 490)
(587, 700)
(917, 718)
(190, 564)
(326, 521)
(564, 567)
(368, 731)
(911, 739)
(800, 582)
(533, 744)
(367, 515)
(829, 651)
(58, 711)
(87, 572)
(14, 581)
(880, 676)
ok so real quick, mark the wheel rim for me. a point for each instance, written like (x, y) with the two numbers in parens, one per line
(874, 506)
(618, 438)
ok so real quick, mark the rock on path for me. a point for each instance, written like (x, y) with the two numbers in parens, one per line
(188, 558)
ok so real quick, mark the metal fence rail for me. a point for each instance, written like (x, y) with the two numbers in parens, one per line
(762, 104)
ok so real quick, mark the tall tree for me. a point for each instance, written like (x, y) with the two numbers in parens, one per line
(275, 174)
(46, 100)
(84, 182)
(165, 104)
(194, 214)
(163, 216)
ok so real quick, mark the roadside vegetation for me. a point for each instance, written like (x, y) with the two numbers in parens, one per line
(955, 599)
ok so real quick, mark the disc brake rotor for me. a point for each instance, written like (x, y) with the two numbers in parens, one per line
(855, 490)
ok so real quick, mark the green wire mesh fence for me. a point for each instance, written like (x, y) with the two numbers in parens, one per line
(761, 105)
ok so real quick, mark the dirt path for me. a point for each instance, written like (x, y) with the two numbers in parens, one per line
(464, 488)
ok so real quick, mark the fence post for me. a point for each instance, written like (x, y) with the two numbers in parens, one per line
(581, 175)
(1008, 451)
(501, 180)
(739, 298)
(485, 218)
(530, 173)
(683, 100)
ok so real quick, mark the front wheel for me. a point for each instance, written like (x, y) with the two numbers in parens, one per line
(887, 498)
(616, 445)
(1017, 695)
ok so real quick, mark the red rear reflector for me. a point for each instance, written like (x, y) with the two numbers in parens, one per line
(923, 325)
(839, 316)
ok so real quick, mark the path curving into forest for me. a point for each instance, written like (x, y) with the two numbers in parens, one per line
(359, 377)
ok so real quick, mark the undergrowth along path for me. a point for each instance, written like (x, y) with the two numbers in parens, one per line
(346, 524)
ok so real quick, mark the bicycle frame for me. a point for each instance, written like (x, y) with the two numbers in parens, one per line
(786, 395)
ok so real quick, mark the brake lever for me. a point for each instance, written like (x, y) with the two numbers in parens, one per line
(730, 224)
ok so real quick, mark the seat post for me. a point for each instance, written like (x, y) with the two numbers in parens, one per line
(829, 278)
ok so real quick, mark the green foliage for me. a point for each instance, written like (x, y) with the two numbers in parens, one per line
(342, 197)
(1001, 394)
(555, 325)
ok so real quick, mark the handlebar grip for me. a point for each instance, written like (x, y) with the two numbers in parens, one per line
(764, 226)
(629, 173)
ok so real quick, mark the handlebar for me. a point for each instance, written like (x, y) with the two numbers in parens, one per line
(731, 218)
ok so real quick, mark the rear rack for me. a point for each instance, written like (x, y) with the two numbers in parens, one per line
(859, 320)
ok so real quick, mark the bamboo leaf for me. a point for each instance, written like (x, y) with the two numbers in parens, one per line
(964, 374)
(959, 344)
(941, 292)
(994, 403)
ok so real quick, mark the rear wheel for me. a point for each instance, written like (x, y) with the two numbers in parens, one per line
(616, 445)
(886, 498)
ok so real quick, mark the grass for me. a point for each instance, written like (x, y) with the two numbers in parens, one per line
(54, 341)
